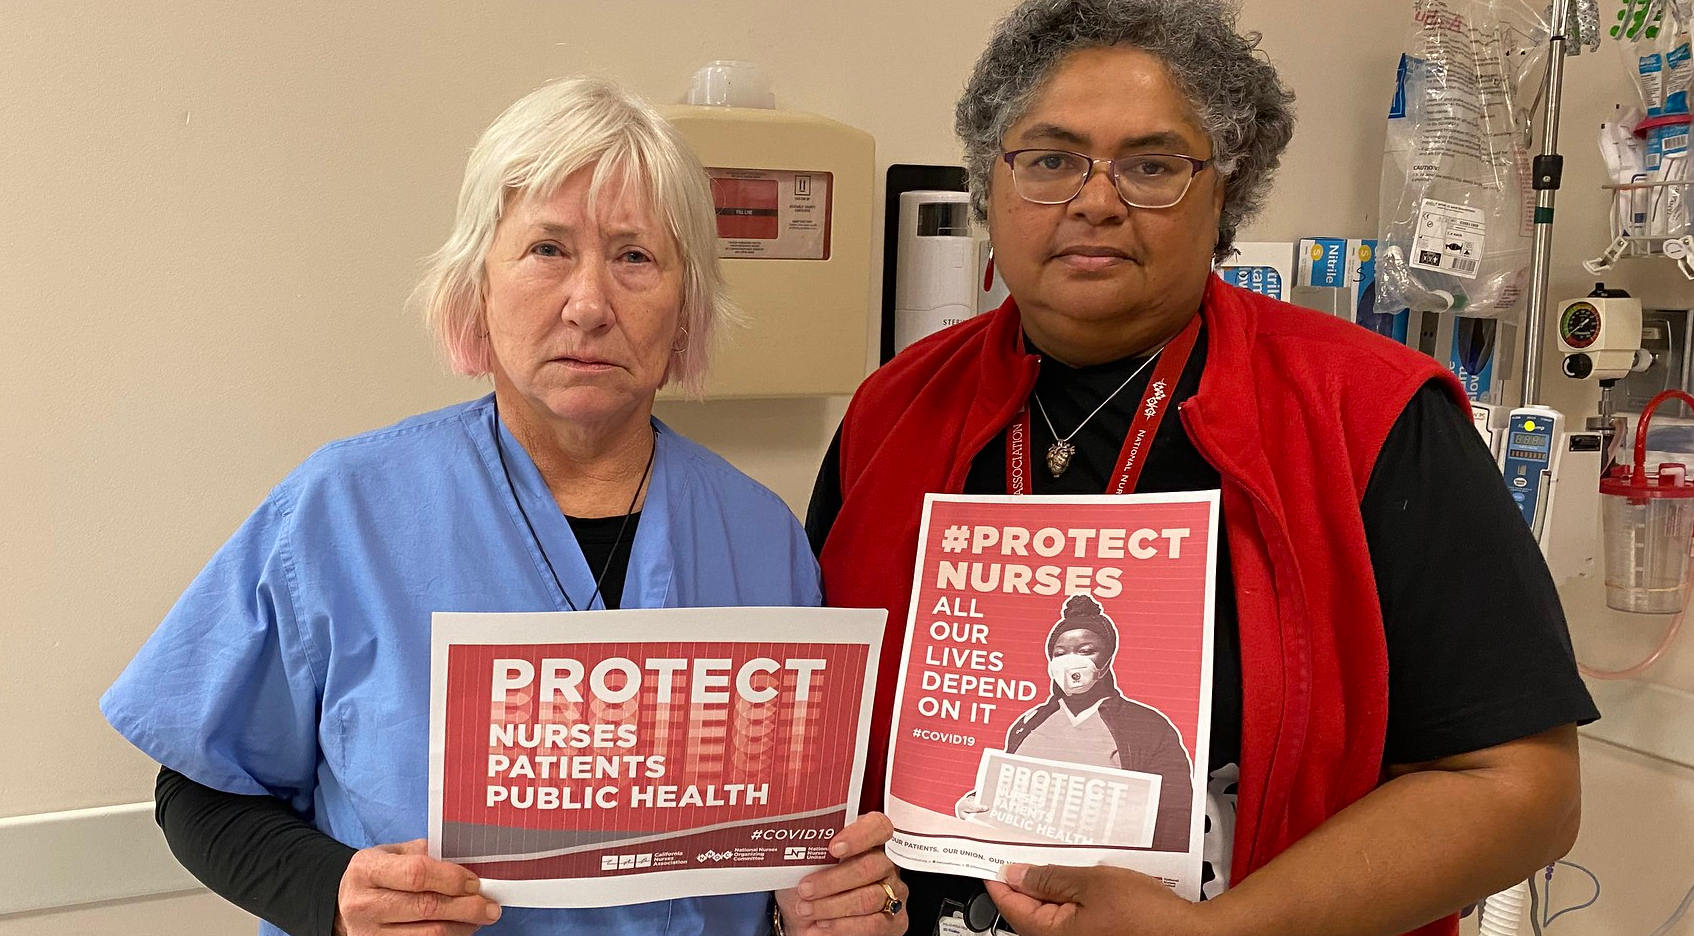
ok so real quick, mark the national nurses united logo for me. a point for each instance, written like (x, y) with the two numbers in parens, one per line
(1154, 399)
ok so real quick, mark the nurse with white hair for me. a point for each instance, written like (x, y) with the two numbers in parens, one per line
(286, 695)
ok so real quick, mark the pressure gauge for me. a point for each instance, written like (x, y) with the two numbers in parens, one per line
(1600, 334)
(1579, 325)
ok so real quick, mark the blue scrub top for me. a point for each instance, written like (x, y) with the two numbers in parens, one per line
(297, 663)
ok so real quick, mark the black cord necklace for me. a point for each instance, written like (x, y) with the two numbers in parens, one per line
(500, 451)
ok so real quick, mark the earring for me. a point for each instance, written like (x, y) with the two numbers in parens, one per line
(679, 348)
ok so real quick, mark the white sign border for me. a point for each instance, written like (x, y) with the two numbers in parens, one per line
(857, 626)
(1154, 862)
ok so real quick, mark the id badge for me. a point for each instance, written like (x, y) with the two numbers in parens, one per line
(952, 925)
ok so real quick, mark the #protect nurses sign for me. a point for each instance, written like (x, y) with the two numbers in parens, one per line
(589, 759)
(1054, 704)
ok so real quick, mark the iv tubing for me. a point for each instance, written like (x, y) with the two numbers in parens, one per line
(1547, 915)
(1676, 916)
(1535, 910)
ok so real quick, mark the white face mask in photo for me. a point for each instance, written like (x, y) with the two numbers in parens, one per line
(1073, 672)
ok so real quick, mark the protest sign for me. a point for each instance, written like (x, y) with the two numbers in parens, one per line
(596, 758)
(1054, 703)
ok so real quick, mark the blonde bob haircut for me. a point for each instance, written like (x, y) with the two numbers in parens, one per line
(528, 153)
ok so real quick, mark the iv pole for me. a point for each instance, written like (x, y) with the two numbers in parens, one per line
(1503, 912)
(1547, 171)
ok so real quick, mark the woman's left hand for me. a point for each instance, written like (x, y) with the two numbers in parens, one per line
(849, 898)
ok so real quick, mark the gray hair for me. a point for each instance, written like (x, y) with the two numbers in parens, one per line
(528, 152)
(1245, 111)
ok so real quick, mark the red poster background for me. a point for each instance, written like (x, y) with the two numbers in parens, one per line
(803, 751)
(1160, 618)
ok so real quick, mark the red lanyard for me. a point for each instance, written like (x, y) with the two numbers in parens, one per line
(1142, 429)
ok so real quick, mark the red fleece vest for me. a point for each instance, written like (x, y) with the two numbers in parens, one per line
(1292, 409)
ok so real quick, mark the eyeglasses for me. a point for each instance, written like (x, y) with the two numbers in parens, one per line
(1144, 180)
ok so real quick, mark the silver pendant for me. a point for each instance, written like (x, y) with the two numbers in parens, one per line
(1059, 457)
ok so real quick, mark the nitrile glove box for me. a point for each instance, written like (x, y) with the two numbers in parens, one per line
(1265, 267)
(1324, 262)
(1321, 281)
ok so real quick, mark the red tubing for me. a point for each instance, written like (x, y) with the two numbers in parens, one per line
(1638, 472)
(1641, 667)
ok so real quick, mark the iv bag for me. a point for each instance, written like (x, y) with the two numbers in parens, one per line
(1456, 210)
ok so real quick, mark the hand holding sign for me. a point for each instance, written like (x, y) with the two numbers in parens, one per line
(392, 888)
(851, 897)
(1052, 900)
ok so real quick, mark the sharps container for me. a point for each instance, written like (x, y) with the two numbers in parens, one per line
(1648, 522)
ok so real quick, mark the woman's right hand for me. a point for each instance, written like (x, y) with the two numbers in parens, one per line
(390, 890)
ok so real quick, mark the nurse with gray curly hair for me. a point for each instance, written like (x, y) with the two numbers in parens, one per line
(1394, 697)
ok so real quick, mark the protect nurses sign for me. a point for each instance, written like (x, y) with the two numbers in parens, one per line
(1055, 693)
(590, 759)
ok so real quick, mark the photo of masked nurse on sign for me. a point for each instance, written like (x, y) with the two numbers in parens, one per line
(1054, 697)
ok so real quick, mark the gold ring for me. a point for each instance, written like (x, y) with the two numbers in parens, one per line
(893, 905)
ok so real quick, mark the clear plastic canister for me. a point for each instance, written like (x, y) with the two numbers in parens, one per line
(1649, 529)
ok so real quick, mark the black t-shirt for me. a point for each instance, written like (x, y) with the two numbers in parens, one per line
(1478, 653)
(606, 543)
(260, 855)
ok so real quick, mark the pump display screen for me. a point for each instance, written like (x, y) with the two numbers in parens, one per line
(1529, 439)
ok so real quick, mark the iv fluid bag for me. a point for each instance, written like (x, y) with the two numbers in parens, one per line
(1456, 210)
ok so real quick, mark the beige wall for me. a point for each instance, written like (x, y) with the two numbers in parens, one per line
(192, 914)
(213, 212)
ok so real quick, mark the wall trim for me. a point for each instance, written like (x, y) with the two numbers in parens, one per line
(79, 856)
(1644, 717)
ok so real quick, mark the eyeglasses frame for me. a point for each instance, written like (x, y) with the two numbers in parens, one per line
(1111, 173)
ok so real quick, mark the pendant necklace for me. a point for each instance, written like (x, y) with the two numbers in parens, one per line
(1144, 424)
(646, 472)
(1060, 452)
